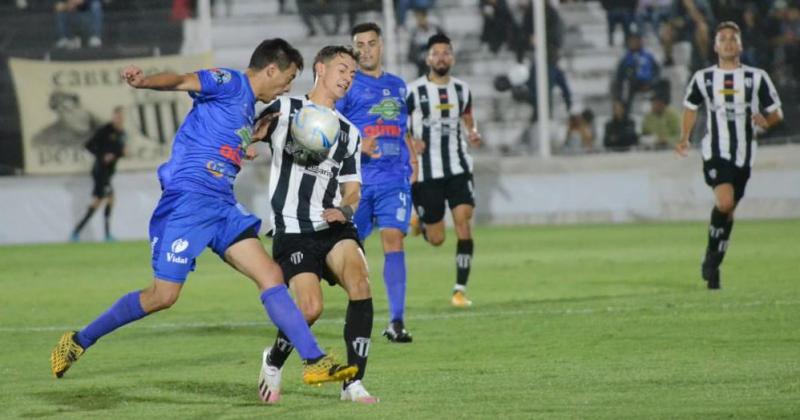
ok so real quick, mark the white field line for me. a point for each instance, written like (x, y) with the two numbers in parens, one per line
(474, 313)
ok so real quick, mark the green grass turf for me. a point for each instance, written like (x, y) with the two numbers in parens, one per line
(608, 321)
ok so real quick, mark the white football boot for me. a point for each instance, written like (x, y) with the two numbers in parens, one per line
(269, 380)
(356, 392)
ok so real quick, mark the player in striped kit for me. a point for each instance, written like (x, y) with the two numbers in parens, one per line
(313, 201)
(376, 103)
(438, 104)
(738, 100)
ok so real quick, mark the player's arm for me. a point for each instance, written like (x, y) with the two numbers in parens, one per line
(351, 194)
(694, 97)
(412, 158)
(768, 98)
(135, 77)
(473, 135)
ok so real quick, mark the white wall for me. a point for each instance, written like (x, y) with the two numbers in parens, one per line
(621, 187)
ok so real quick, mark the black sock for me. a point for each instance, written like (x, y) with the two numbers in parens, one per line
(83, 221)
(281, 349)
(107, 214)
(464, 250)
(357, 333)
(718, 234)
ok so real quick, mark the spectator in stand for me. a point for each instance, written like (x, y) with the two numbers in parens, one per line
(656, 13)
(88, 12)
(619, 12)
(580, 133)
(637, 72)
(756, 49)
(690, 22)
(620, 133)
(787, 40)
(317, 10)
(403, 6)
(418, 41)
(662, 123)
(556, 78)
(498, 24)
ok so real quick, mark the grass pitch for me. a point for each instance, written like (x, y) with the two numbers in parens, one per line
(607, 321)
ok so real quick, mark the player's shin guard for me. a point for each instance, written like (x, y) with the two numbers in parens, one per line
(464, 250)
(357, 333)
(394, 277)
(282, 310)
(107, 214)
(124, 311)
(719, 231)
(281, 349)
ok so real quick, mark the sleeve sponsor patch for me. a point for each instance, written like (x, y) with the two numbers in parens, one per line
(220, 76)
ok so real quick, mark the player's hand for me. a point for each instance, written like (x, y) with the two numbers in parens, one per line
(682, 148)
(133, 75)
(251, 152)
(474, 138)
(263, 124)
(369, 145)
(333, 215)
(760, 121)
(419, 146)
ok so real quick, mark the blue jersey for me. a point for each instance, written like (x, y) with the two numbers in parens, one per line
(377, 106)
(209, 146)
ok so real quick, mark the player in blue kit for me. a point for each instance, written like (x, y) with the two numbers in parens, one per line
(376, 104)
(198, 208)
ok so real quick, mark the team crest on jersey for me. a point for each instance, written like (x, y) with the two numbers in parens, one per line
(388, 109)
(220, 76)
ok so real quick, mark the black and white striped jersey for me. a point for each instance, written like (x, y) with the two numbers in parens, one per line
(731, 97)
(435, 113)
(299, 192)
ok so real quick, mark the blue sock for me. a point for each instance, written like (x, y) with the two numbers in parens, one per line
(124, 311)
(394, 276)
(284, 313)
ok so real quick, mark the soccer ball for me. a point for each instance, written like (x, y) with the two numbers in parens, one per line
(315, 128)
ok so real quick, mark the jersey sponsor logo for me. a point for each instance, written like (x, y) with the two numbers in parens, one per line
(315, 170)
(296, 257)
(387, 109)
(229, 152)
(220, 76)
(382, 130)
(215, 168)
(179, 245)
(445, 107)
(361, 346)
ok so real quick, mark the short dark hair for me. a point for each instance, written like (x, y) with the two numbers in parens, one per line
(439, 38)
(328, 53)
(275, 51)
(729, 24)
(365, 27)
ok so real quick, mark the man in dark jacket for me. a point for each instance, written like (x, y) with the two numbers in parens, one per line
(107, 145)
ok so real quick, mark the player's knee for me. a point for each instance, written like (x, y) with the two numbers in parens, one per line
(311, 310)
(359, 289)
(435, 239)
(163, 299)
(726, 205)
(270, 277)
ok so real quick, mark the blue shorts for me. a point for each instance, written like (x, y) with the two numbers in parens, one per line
(384, 205)
(184, 224)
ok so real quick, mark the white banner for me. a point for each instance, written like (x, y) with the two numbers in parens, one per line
(62, 104)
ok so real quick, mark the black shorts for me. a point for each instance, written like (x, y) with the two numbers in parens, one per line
(721, 171)
(102, 183)
(429, 196)
(298, 253)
